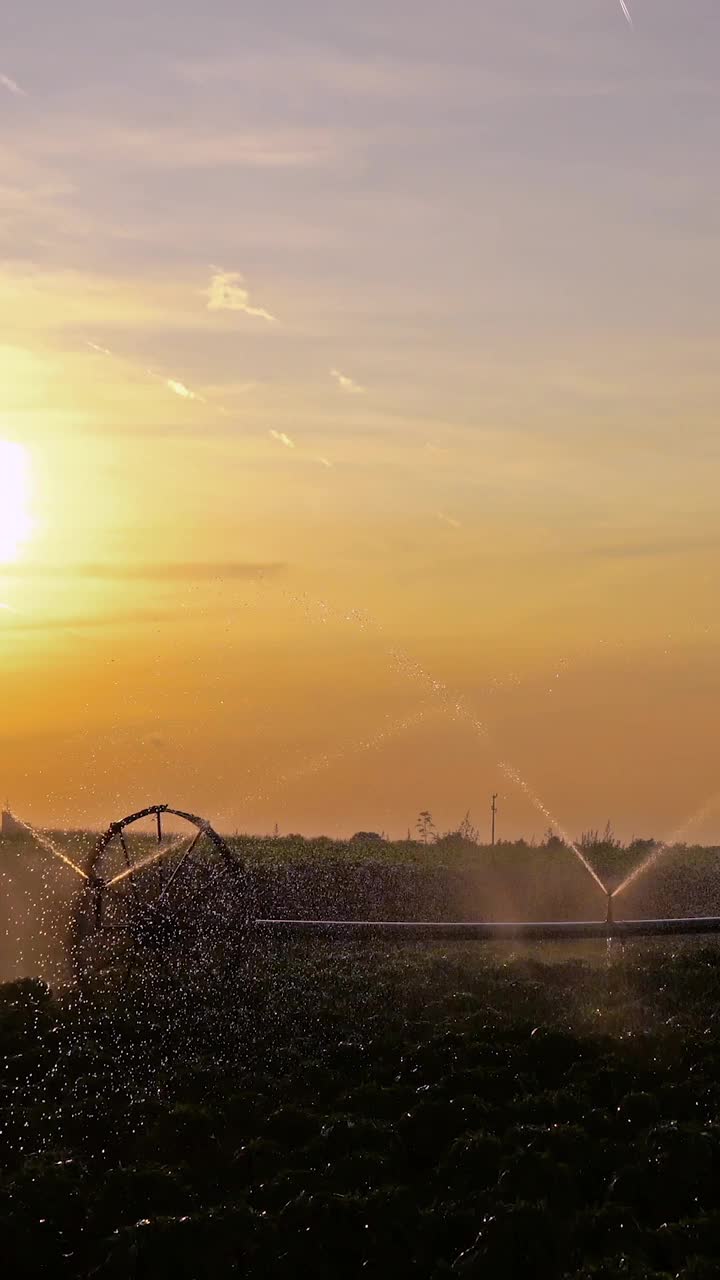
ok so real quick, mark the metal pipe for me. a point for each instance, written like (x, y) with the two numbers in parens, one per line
(95, 887)
(489, 931)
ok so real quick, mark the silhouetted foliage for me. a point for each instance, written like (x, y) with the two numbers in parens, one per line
(426, 826)
(345, 1111)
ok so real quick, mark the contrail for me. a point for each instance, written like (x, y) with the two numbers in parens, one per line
(626, 11)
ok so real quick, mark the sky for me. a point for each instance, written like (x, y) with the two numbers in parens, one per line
(358, 412)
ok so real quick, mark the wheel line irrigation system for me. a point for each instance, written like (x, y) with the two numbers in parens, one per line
(96, 887)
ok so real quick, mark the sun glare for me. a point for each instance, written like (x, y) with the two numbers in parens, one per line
(15, 521)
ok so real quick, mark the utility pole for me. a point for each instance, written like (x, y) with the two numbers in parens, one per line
(493, 810)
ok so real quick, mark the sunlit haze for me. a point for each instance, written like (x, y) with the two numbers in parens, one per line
(358, 413)
(15, 521)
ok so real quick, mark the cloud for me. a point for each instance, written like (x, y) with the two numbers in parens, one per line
(180, 389)
(449, 520)
(12, 86)
(282, 438)
(227, 292)
(149, 571)
(186, 147)
(91, 622)
(346, 384)
(173, 384)
(654, 548)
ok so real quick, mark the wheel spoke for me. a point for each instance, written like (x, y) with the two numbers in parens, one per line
(131, 878)
(181, 863)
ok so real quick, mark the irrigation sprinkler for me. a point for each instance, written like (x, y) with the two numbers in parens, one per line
(164, 902)
(183, 906)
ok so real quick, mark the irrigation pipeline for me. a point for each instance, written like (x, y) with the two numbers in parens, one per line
(486, 931)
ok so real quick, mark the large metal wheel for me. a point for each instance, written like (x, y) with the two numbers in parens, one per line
(154, 899)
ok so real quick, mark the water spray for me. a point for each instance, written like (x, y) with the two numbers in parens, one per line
(47, 844)
(610, 919)
(147, 861)
(451, 703)
(664, 846)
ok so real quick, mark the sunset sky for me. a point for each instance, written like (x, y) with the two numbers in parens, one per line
(359, 388)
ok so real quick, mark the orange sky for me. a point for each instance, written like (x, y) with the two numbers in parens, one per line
(334, 353)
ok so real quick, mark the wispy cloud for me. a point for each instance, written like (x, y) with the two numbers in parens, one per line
(449, 520)
(110, 618)
(227, 292)
(190, 146)
(346, 384)
(12, 86)
(651, 548)
(282, 438)
(325, 462)
(177, 387)
(150, 571)
(180, 389)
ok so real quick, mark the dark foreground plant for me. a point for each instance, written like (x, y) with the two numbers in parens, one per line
(351, 1112)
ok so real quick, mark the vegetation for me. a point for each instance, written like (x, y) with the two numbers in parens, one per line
(354, 1112)
(313, 1108)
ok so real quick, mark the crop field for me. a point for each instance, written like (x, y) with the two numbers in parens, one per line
(325, 1109)
(406, 1112)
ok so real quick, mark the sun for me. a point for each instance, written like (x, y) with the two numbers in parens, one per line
(15, 521)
